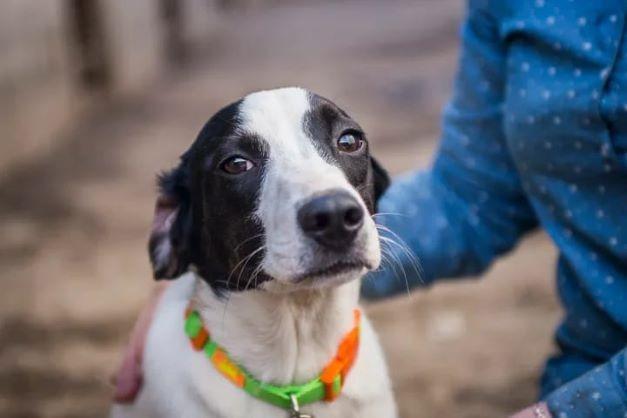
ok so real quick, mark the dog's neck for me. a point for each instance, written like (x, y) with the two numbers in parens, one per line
(279, 338)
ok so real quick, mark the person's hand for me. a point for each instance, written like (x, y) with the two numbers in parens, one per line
(128, 379)
(539, 410)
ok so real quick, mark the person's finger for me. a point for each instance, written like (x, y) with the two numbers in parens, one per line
(536, 411)
(129, 376)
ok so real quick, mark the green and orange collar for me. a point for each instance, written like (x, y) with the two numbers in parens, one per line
(326, 387)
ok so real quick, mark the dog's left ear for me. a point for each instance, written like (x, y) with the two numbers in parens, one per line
(381, 179)
(170, 236)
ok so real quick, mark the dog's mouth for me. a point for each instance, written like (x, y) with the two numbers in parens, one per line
(334, 269)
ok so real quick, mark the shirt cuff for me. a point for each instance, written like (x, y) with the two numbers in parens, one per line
(600, 393)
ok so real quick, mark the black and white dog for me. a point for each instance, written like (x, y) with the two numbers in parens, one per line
(267, 225)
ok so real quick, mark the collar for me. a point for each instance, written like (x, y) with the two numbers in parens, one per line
(327, 386)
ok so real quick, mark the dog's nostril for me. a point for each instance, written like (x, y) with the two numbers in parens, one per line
(322, 220)
(353, 216)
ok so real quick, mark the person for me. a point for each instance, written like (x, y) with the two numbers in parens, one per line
(535, 135)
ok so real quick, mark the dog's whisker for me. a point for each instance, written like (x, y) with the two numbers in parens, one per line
(396, 265)
(374, 215)
(398, 241)
(405, 251)
(413, 260)
(251, 277)
(398, 262)
(247, 240)
(245, 261)
(242, 263)
(250, 280)
(386, 258)
(254, 275)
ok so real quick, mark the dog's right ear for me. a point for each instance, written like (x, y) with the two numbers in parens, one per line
(170, 234)
(381, 179)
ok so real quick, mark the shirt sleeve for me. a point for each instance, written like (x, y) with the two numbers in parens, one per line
(469, 207)
(600, 393)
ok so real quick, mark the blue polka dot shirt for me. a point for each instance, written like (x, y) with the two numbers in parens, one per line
(535, 135)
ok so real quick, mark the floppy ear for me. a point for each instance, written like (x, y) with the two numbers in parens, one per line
(170, 235)
(380, 178)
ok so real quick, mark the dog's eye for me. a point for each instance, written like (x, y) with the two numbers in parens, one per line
(350, 142)
(236, 165)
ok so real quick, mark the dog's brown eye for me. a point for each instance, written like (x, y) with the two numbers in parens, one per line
(350, 142)
(237, 165)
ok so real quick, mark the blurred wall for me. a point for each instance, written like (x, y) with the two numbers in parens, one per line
(61, 56)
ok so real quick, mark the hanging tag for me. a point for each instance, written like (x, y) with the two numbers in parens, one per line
(295, 412)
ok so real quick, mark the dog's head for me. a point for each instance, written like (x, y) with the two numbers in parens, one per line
(277, 192)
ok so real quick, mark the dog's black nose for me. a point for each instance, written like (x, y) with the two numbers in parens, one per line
(332, 219)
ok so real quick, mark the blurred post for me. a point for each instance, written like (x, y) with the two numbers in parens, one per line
(35, 78)
(60, 56)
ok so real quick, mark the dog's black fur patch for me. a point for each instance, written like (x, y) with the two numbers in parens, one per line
(324, 123)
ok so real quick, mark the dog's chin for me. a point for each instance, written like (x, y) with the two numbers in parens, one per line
(332, 275)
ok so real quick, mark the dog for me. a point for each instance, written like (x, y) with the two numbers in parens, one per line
(267, 226)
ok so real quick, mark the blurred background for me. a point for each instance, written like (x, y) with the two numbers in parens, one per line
(96, 96)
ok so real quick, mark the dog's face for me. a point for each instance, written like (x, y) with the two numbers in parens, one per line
(276, 193)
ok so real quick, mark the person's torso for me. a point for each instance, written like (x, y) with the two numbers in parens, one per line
(565, 120)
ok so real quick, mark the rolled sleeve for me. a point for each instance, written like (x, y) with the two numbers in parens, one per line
(600, 393)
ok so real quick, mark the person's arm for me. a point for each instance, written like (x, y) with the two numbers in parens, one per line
(128, 378)
(470, 206)
(600, 393)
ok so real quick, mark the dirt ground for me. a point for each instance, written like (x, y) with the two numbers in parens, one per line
(74, 222)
